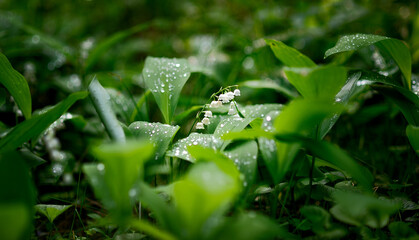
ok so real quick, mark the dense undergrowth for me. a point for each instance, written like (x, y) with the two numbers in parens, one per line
(209, 120)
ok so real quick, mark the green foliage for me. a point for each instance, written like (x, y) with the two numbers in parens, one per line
(395, 48)
(37, 124)
(51, 211)
(101, 101)
(165, 78)
(16, 84)
(233, 143)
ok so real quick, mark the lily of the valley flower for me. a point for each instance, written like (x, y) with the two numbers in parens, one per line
(208, 114)
(231, 111)
(206, 121)
(237, 92)
(224, 98)
(230, 95)
(216, 104)
(200, 125)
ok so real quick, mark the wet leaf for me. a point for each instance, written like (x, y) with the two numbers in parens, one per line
(37, 124)
(102, 103)
(165, 78)
(269, 84)
(395, 48)
(289, 56)
(51, 211)
(322, 82)
(180, 148)
(161, 135)
(17, 85)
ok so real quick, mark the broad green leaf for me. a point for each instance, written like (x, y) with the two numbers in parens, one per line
(205, 192)
(269, 84)
(412, 133)
(162, 211)
(402, 230)
(15, 219)
(123, 164)
(149, 229)
(345, 93)
(395, 48)
(165, 78)
(236, 123)
(95, 175)
(16, 84)
(340, 159)
(102, 104)
(180, 148)
(161, 135)
(106, 44)
(37, 124)
(252, 225)
(244, 157)
(224, 163)
(289, 56)
(322, 82)
(318, 217)
(51, 211)
(301, 116)
(405, 100)
(368, 210)
(17, 197)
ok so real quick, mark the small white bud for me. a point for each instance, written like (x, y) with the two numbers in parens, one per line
(206, 121)
(208, 114)
(219, 104)
(200, 125)
(231, 111)
(237, 92)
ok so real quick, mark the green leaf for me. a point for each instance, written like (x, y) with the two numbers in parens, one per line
(121, 105)
(252, 225)
(180, 148)
(102, 104)
(319, 218)
(322, 82)
(139, 104)
(340, 159)
(269, 84)
(402, 230)
(106, 44)
(51, 211)
(289, 56)
(244, 157)
(368, 210)
(205, 193)
(412, 133)
(300, 116)
(395, 48)
(405, 100)
(236, 123)
(17, 197)
(161, 135)
(165, 78)
(16, 84)
(123, 164)
(37, 124)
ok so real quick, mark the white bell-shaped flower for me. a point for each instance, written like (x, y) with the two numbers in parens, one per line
(215, 104)
(237, 92)
(223, 98)
(231, 111)
(208, 114)
(200, 125)
(219, 104)
(206, 121)
(230, 95)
